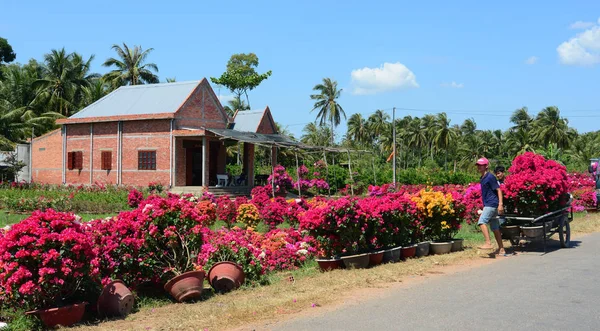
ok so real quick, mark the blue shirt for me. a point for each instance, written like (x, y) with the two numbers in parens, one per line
(489, 193)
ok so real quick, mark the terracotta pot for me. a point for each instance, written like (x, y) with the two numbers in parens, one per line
(329, 264)
(510, 231)
(422, 249)
(115, 300)
(457, 245)
(226, 276)
(375, 258)
(187, 286)
(408, 252)
(391, 255)
(443, 247)
(65, 316)
(359, 261)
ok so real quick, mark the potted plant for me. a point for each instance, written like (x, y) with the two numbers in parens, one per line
(435, 210)
(280, 180)
(174, 227)
(46, 260)
(320, 223)
(229, 259)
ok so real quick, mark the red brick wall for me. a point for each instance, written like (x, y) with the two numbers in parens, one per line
(145, 135)
(78, 139)
(202, 109)
(46, 158)
(105, 139)
(267, 124)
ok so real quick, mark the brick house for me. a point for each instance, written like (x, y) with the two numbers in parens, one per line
(174, 134)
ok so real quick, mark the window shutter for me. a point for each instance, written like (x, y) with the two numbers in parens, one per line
(79, 160)
(106, 160)
(70, 160)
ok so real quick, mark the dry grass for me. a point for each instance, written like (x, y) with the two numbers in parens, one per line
(311, 288)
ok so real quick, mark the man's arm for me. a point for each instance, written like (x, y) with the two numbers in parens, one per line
(500, 202)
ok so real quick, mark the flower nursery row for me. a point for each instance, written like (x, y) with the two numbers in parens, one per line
(52, 260)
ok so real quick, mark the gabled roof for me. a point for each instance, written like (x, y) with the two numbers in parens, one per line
(137, 102)
(250, 120)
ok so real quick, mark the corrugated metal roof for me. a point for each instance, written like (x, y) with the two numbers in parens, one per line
(140, 100)
(248, 120)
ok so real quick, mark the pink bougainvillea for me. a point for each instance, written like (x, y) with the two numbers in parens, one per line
(44, 260)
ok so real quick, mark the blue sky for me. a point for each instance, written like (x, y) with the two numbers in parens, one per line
(474, 59)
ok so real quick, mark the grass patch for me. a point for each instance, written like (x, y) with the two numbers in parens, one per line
(7, 218)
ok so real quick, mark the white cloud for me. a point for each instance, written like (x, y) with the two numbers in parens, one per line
(583, 49)
(453, 85)
(580, 25)
(532, 60)
(389, 76)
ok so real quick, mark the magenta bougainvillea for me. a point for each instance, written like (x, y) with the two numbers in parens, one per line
(44, 260)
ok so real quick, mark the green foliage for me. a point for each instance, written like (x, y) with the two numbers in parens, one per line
(241, 76)
(131, 68)
(6, 52)
(14, 166)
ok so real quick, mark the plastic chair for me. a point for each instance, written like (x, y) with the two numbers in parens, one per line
(222, 180)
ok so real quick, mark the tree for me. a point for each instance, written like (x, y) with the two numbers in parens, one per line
(326, 103)
(131, 68)
(6, 53)
(65, 76)
(378, 123)
(241, 76)
(550, 128)
(14, 166)
(443, 135)
(357, 128)
(315, 135)
(234, 105)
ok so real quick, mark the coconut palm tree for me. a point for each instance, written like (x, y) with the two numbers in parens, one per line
(417, 137)
(357, 128)
(443, 135)
(329, 110)
(315, 135)
(378, 123)
(64, 77)
(131, 68)
(550, 128)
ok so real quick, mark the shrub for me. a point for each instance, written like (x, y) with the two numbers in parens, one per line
(134, 198)
(535, 185)
(226, 210)
(248, 215)
(44, 260)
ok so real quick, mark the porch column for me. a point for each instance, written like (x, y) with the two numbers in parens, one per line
(204, 161)
(248, 163)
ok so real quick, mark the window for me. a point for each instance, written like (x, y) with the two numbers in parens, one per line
(146, 160)
(106, 163)
(75, 160)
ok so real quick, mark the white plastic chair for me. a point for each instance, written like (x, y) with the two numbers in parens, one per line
(222, 180)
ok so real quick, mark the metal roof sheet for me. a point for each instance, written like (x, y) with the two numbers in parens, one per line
(248, 120)
(140, 100)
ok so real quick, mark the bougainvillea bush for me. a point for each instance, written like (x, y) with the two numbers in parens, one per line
(285, 249)
(122, 251)
(535, 185)
(473, 203)
(174, 232)
(280, 179)
(440, 214)
(397, 224)
(233, 245)
(44, 260)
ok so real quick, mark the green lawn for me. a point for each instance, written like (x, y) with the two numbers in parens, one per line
(7, 218)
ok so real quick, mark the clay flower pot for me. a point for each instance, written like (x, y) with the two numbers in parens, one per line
(408, 252)
(375, 258)
(187, 286)
(391, 255)
(226, 276)
(115, 300)
(457, 245)
(443, 247)
(65, 316)
(422, 249)
(359, 261)
(329, 264)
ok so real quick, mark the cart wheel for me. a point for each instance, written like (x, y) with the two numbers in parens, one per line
(564, 232)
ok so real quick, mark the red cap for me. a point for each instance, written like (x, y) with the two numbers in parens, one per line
(482, 161)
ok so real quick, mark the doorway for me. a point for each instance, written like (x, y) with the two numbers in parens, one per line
(193, 166)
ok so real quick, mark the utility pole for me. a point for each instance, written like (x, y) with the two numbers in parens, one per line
(394, 145)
